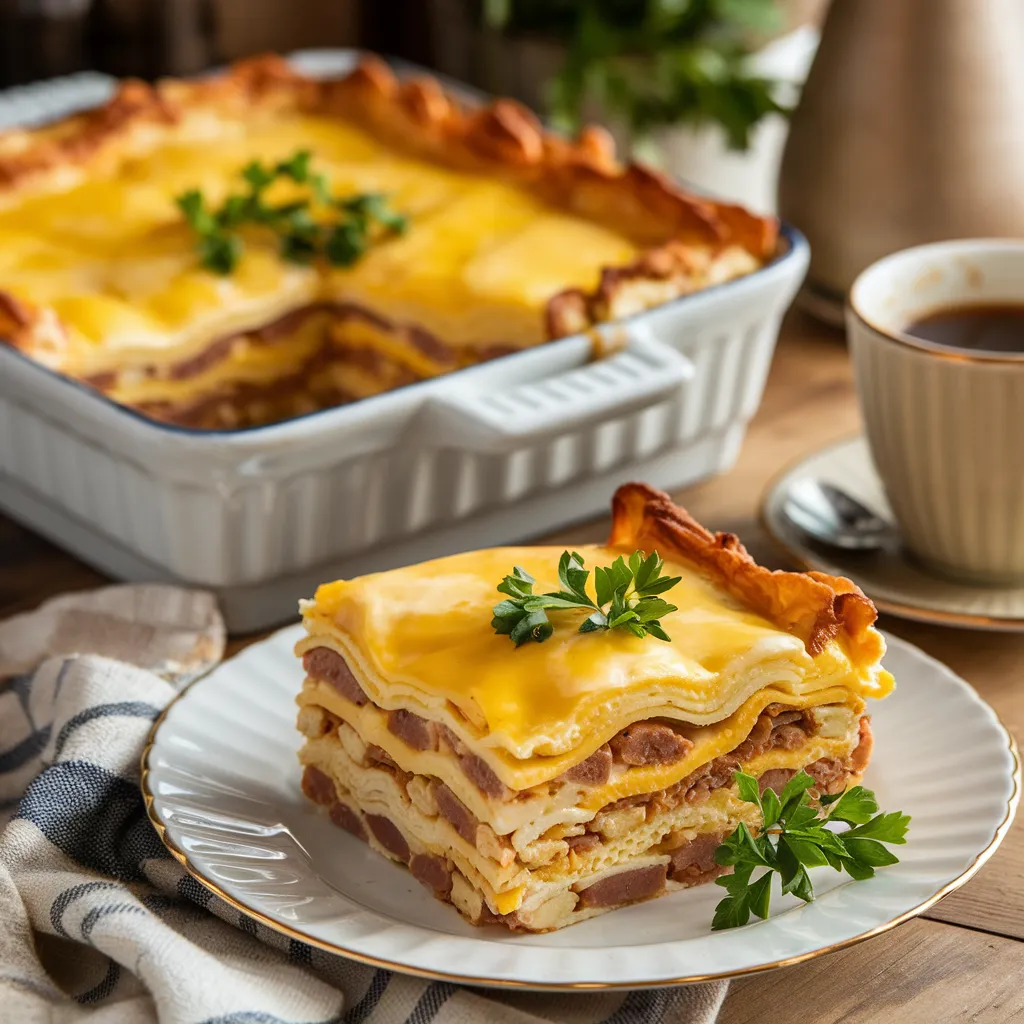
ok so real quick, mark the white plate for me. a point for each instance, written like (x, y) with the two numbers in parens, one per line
(221, 782)
(891, 577)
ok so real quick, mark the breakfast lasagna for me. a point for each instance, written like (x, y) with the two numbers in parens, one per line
(251, 246)
(538, 785)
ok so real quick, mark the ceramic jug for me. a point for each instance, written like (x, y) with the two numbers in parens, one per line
(910, 129)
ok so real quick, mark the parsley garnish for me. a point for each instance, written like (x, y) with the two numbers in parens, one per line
(626, 598)
(341, 230)
(793, 838)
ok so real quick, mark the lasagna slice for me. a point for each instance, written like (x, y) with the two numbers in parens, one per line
(540, 785)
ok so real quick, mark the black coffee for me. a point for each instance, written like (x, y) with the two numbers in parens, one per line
(990, 328)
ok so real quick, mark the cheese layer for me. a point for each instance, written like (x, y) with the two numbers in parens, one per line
(420, 638)
(536, 802)
(115, 261)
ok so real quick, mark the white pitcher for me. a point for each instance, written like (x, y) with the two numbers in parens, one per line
(910, 130)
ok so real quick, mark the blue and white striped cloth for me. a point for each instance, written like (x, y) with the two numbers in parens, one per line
(98, 923)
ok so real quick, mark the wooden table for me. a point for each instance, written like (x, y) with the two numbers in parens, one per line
(964, 960)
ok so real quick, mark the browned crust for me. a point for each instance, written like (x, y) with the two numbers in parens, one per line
(16, 316)
(679, 232)
(813, 606)
(502, 138)
(656, 276)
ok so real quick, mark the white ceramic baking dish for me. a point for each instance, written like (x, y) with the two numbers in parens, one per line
(496, 453)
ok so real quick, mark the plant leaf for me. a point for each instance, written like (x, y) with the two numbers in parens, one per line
(855, 869)
(855, 806)
(750, 847)
(622, 618)
(594, 622)
(800, 885)
(887, 828)
(651, 608)
(870, 852)
(807, 853)
(636, 562)
(659, 586)
(732, 912)
(552, 601)
(654, 628)
(793, 791)
(506, 608)
(800, 816)
(737, 881)
(621, 576)
(747, 787)
(820, 837)
(771, 807)
(760, 895)
(534, 626)
(604, 585)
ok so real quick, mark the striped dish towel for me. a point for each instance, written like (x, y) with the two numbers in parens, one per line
(99, 923)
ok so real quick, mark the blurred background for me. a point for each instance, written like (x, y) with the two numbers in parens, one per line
(698, 87)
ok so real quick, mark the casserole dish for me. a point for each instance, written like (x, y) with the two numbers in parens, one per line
(506, 448)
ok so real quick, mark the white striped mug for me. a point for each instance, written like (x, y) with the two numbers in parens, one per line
(945, 425)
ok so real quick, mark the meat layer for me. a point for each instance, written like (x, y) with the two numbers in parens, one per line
(586, 862)
(313, 357)
(664, 755)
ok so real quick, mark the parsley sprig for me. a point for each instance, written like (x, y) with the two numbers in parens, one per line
(338, 228)
(626, 598)
(794, 837)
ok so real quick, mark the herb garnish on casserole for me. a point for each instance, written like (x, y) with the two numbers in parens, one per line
(510, 236)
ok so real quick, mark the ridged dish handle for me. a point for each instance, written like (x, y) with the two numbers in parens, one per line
(643, 373)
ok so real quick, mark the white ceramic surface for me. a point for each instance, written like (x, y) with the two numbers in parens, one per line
(221, 780)
(945, 426)
(892, 577)
(502, 451)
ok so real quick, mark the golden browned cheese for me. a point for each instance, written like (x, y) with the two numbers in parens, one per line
(514, 238)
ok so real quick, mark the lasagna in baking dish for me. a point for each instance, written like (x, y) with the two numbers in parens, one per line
(538, 785)
(245, 248)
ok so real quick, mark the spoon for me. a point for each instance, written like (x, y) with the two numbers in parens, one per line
(833, 517)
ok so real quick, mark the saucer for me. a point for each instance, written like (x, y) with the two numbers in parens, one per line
(890, 576)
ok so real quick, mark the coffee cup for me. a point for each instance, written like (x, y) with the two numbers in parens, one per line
(945, 418)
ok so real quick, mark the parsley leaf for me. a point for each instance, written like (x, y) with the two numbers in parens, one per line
(625, 598)
(793, 837)
(856, 806)
(342, 231)
(887, 828)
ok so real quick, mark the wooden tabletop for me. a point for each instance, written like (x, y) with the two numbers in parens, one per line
(964, 960)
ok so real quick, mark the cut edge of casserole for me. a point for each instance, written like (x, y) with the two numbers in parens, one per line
(431, 771)
(152, 353)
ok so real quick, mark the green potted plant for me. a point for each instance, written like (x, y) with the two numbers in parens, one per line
(687, 84)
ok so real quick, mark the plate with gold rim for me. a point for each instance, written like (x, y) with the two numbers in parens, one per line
(221, 784)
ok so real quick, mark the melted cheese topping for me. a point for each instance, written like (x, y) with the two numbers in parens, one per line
(114, 260)
(420, 638)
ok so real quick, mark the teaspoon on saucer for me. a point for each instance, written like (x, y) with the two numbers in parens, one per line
(894, 580)
(830, 515)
